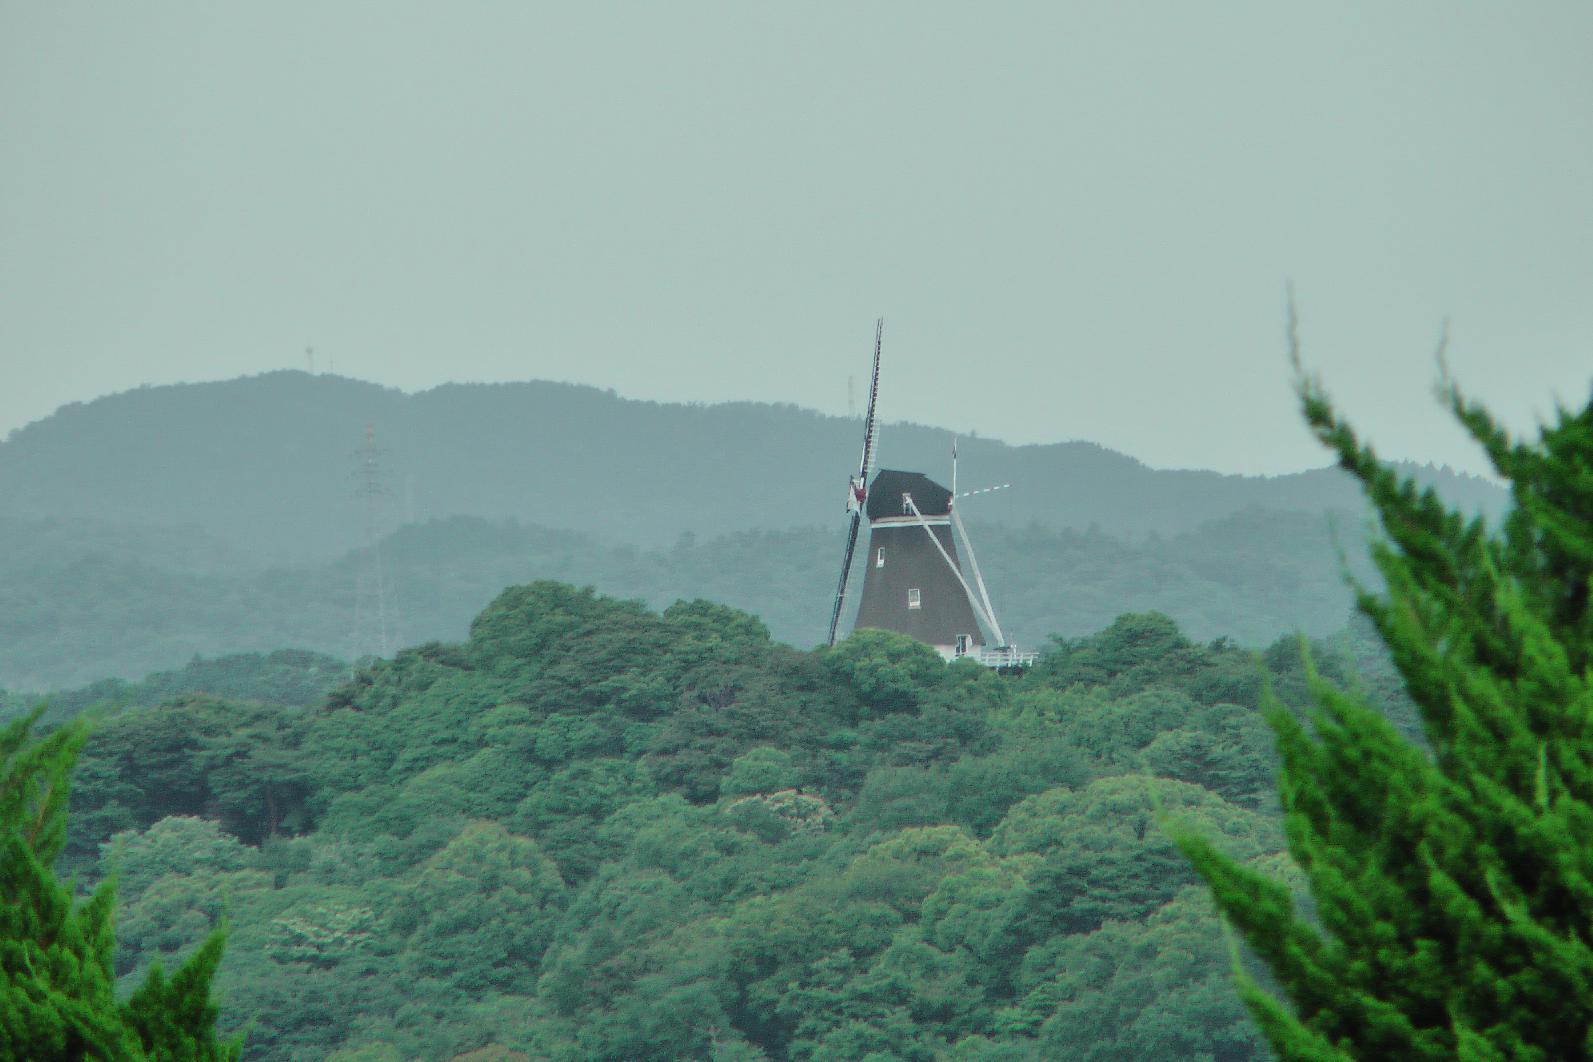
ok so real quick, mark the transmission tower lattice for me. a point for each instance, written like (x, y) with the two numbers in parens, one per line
(374, 611)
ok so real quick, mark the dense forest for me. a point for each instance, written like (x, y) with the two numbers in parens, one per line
(596, 831)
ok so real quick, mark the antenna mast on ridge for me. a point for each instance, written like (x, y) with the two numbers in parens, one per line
(372, 629)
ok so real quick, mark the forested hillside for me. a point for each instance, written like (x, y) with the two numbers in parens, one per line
(78, 604)
(265, 465)
(287, 678)
(592, 831)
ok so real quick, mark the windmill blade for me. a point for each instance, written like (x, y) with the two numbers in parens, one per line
(983, 490)
(846, 569)
(859, 488)
(873, 399)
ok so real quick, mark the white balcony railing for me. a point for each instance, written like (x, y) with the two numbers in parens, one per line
(1004, 656)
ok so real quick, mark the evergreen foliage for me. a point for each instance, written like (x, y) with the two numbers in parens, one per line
(58, 1000)
(1452, 876)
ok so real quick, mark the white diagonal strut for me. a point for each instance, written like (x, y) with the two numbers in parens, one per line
(966, 589)
(979, 580)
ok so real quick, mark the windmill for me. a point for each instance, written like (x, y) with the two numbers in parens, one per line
(913, 579)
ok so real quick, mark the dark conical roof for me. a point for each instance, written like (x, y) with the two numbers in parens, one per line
(885, 495)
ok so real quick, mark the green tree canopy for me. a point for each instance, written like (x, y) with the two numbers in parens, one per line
(58, 999)
(1453, 883)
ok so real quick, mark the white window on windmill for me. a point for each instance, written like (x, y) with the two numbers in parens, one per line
(907, 504)
(879, 558)
(962, 645)
(914, 598)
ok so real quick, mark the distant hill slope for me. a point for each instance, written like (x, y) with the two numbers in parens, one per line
(265, 464)
(90, 612)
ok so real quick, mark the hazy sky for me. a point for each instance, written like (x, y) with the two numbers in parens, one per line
(1078, 220)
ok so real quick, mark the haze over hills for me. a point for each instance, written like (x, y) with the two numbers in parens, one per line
(142, 529)
(264, 465)
(83, 614)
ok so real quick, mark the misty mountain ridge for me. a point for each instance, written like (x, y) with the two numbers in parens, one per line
(141, 529)
(265, 466)
(72, 612)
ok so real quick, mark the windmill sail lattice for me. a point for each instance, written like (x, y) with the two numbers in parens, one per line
(857, 489)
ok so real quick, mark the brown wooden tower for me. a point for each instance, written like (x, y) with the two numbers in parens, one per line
(912, 578)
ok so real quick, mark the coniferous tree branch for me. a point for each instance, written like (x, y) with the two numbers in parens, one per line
(1453, 885)
(58, 994)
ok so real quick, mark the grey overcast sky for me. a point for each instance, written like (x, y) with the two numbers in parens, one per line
(1077, 219)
